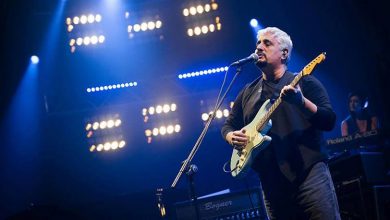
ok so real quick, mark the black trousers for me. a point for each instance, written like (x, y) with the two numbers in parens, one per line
(313, 198)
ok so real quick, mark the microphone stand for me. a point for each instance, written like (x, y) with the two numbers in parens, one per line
(186, 167)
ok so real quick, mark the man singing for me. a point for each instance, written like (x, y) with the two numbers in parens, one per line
(295, 179)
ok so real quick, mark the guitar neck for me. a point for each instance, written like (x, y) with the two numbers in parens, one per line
(275, 105)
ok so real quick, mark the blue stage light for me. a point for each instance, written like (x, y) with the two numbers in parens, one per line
(34, 59)
(254, 22)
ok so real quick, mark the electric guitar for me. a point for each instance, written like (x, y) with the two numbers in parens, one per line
(256, 131)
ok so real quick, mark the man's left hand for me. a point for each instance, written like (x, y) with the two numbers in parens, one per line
(292, 95)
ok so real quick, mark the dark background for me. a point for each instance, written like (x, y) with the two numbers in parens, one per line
(44, 156)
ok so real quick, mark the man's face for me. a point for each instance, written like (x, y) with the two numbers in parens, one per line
(355, 104)
(268, 49)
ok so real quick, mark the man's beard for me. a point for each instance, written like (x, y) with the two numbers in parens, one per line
(261, 64)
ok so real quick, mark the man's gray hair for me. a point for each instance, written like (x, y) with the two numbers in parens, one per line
(282, 37)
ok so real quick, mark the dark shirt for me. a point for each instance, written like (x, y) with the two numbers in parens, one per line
(296, 139)
(351, 121)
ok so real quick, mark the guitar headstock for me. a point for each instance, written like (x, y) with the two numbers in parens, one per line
(309, 67)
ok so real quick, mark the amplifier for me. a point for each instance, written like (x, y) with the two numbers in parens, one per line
(247, 204)
(368, 166)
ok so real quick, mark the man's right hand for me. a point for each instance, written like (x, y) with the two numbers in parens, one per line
(237, 139)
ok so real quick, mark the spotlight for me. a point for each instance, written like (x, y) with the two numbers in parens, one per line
(254, 22)
(91, 18)
(219, 114)
(114, 145)
(205, 29)
(151, 25)
(170, 129)
(34, 59)
(137, 27)
(76, 20)
(205, 116)
(98, 18)
(177, 128)
(83, 19)
(118, 122)
(151, 110)
(95, 125)
(211, 27)
(163, 130)
(107, 146)
(173, 107)
(144, 26)
(155, 131)
(94, 39)
(68, 21)
(159, 109)
(158, 24)
(72, 42)
(214, 6)
(79, 41)
(100, 147)
(192, 10)
(226, 113)
(148, 133)
(186, 12)
(207, 7)
(89, 134)
(88, 126)
(197, 30)
(110, 123)
(199, 9)
(122, 144)
(166, 108)
(70, 28)
(86, 40)
(103, 124)
(190, 32)
(101, 39)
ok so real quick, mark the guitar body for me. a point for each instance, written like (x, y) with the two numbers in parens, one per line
(241, 160)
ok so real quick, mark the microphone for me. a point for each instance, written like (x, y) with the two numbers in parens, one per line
(252, 58)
